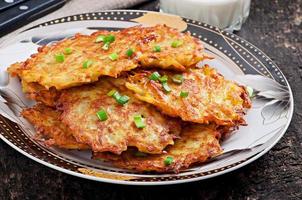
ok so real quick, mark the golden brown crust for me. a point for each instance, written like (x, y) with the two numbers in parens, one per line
(211, 98)
(43, 69)
(35, 91)
(50, 129)
(197, 144)
(15, 69)
(38, 93)
(80, 105)
(180, 58)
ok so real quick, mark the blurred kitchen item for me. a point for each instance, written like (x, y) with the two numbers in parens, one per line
(16, 13)
(225, 14)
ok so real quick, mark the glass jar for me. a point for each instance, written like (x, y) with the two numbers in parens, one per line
(225, 14)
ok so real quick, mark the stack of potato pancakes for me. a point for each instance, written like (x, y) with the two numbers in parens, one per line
(135, 98)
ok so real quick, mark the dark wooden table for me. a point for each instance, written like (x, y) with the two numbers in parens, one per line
(275, 26)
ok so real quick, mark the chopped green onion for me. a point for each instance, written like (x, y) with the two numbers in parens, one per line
(184, 94)
(123, 99)
(102, 115)
(157, 48)
(68, 51)
(250, 91)
(166, 87)
(106, 46)
(113, 56)
(100, 38)
(140, 154)
(154, 76)
(119, 98)
(111, 92)
(168, 160)
(87, 63)
(178, 78)
(106, 39)
(163, 79)
(116, 95)
(59, 58)
(129, 52)
(109, 39)
(139, 121)
(176, 43)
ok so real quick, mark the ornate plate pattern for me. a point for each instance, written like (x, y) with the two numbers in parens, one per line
(236, 58)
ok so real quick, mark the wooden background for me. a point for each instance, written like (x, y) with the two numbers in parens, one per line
(275, 26)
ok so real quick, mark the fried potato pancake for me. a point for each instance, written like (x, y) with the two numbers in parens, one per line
(39, 93)
(177, 51)
(210, 98)
(47, 122)
(80, 106)
(62, 65)
(197, 144)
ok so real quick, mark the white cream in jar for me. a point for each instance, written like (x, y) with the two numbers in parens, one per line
(225, 14)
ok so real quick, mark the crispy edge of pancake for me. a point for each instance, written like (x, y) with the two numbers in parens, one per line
(153, 93)
(159, 132)
(14, 69)
(50, 129)
(198, 143)
(179, 60)
(37, 92)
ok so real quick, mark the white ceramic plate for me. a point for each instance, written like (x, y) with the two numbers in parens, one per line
(236, 59)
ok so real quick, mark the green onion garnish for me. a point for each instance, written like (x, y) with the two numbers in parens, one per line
(123, 99)
(106, 39)
(113, 56)
(102, 115)
(129, 52)
(139, 121)
(119, 98)
(166, 87)
(178, 78)
(163, 79)
(157, 49)
(140, 154)
(111, 92)
(176, 43)
(154, 76)
(109, 39)
(168, 160)
(87, 63)
(250, 91)
(184, 94)
(100, 38)
(59, 58)
(116, 95)
(68, 51)
(106, 46)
